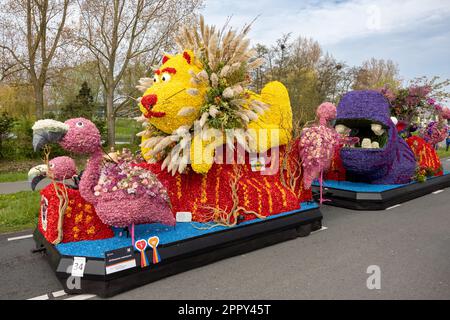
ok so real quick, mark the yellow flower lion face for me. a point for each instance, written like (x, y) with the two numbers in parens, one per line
(174, 100)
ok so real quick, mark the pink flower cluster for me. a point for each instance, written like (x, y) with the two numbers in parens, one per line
(326, 112)
(443, 111)
(446, 113)
(317, 146)
(125, 175)
(435, 132)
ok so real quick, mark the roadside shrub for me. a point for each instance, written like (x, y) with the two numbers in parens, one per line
(6, 125)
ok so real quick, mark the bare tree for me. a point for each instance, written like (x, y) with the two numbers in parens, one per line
(376, 73)
(8, 66)
(117, 32)
(31, 33)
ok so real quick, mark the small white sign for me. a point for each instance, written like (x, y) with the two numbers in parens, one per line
(121, 266)
(184, 216)
(79, 263)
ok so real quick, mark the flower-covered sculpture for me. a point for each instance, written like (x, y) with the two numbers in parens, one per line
(198, 113)
(200, 93)
(59, 169)
(81, 136)
(435, 132)
(64, 215)
(446, 113)
(428, 161)
(382, 156)
(318, 144)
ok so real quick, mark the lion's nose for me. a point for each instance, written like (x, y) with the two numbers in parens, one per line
(149, 101)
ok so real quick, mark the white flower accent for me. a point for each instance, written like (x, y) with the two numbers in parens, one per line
(228, 93)
(203, 75)
(224, 72)
(214, 80)
(213, 111)
(50, 125)
(377, 129)
(192, 92)
(341, 129)
(394, 120)
(186, 111)
(203, 119)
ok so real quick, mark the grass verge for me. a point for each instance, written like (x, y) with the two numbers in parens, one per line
(13, 176)
(443, 154)
(19, 211)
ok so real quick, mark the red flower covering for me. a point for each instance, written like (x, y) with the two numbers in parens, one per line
(425, 154)
(187, 57)
(196, 193)
(165, 59)
(337, 171)
(293, 164)
(80, 220)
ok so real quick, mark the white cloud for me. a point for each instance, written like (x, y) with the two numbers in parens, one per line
(402, 30)
(327, 21)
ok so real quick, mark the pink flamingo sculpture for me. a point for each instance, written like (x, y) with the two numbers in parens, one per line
(117, 207)
(317, 146)
(59, 169)
(437, 131)
(446, 113)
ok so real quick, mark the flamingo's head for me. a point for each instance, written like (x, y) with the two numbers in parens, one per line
(326, 112)
(59, 169)
(77, 135)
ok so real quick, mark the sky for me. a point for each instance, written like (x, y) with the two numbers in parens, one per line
(413, 33)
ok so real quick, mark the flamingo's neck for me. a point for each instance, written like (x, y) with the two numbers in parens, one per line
(90, 176)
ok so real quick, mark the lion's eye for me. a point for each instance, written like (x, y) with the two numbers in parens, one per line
(80, 124)
(165, 77)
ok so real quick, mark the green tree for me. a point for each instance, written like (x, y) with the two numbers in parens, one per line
(6, 125)
(82, 106)
(310, 75)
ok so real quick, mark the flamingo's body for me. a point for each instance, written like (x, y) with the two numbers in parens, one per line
(317, 144)
(117, 208)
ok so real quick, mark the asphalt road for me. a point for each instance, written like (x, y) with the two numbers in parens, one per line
(410, 244)
(13, 187)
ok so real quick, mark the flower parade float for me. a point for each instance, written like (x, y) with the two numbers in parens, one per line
(219, 174)
(389, 164)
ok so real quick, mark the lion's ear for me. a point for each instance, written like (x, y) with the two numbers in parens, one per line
(166, 58)
(188, 55)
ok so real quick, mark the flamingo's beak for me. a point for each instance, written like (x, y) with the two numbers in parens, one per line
(48, 131)
(36, 174)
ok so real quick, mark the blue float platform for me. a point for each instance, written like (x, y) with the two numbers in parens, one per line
(364, 196)
(183, 247)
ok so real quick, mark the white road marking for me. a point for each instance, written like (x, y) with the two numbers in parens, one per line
(439, 191)
(322, 229)
(58, 294)
(21, 237)
(62, 293)
(81, 297)
(393, 207)
(43, 297)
